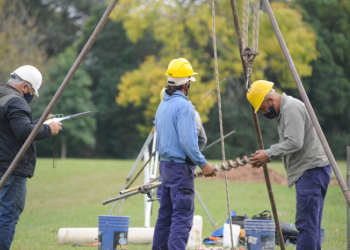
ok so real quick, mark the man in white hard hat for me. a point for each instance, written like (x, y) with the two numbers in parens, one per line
(16, 123)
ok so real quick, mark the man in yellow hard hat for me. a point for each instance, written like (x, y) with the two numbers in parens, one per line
(304, 158)
(177, 145)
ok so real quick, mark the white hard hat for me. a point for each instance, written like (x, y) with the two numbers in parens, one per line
(30, 74)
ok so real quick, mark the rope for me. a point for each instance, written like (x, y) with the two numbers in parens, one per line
(256, 25)
(220, 117)
(249, 53)
(245, 23)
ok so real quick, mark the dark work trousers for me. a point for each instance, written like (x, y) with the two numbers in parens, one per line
(175, 215)
(311, 189)
(12, 200)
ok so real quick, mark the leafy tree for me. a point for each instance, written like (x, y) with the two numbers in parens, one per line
(329, 86)
(110, 57)
(18, 42)
(78, 134)
(183, 28)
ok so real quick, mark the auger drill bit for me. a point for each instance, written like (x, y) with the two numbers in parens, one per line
(228, 165)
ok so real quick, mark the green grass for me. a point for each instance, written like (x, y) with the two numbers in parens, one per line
(71, 195)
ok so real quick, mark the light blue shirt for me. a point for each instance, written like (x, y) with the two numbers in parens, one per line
(176, 130)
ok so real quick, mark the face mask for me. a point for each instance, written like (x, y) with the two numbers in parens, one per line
(271, 113)
(28, 97)
(189, 85)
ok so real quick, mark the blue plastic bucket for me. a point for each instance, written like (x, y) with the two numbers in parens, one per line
(113, 232)
(259, 234)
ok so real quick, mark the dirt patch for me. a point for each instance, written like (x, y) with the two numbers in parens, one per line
(249, 174)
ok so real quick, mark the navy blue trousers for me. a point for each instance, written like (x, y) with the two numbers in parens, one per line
(12, 200)
(175, 215)
(311, 189)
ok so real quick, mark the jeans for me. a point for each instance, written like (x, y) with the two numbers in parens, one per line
(175, 215)
(311, 189)
(12, 200)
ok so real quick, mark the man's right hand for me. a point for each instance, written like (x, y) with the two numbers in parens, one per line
(55, 127)
(209, 170)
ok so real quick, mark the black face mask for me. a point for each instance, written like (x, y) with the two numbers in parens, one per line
(271, 113)
(28, 97)
(189, 85)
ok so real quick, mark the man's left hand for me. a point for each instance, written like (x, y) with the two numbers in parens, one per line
(259, 159)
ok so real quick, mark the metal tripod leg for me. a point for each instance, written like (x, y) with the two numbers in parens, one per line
(205, 209)
(136, 163)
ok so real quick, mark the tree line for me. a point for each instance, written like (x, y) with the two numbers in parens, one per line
(123, 73)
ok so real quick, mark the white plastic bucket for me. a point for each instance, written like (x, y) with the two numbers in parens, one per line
(227, 235)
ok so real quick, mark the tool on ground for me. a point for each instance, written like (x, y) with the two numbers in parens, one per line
(144, 189)
(217, 239)
(86, 244)
(60, 117)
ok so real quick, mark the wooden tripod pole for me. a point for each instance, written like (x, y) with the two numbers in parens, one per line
(258, 132)
(307, 103)
(60, 90)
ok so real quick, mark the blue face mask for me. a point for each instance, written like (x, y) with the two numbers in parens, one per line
(271, 113)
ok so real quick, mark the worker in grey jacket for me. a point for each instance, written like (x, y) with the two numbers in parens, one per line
(304, 158)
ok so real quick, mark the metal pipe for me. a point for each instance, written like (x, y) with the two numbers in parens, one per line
(218, 140)
(258, 131)
(133, 168)
(129, 194)
(348, 184)
(205, 209)
(307, 103)
(60, 90)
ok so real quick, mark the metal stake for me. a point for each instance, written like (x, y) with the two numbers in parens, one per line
(307, 103)
(258, 132)
(60, 90)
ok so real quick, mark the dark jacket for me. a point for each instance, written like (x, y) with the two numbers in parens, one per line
(16, 123)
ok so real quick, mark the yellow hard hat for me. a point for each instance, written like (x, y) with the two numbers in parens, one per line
(161, 94)
(257, 93)
(180, 68)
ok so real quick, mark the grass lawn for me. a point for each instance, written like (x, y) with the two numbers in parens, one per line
(71, 195)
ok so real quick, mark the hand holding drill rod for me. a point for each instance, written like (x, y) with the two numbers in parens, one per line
(229, 165)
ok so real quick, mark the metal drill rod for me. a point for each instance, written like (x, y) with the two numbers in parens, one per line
(228, 165)
(205, 97)
(138, 187)
(307, 103)
(59, 92)
(129, 194)
(218, 140)
(258, 130)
